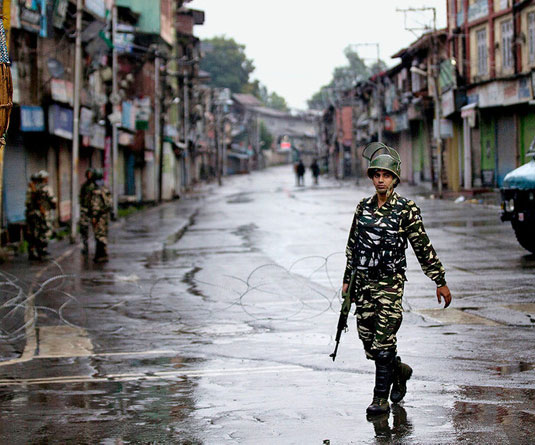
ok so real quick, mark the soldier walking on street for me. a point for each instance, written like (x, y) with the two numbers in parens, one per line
(40, 200)
(100, 208)
(375, 271)
(86, 192)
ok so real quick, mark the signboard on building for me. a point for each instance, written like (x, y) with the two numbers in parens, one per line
(98, 136)
(32, 119)
(86, 121)
(62, 91)
(60, 121)
(97, 7)
(29, 16)
(142, 113)
(507, 92)
(59, 13)
(396, 122)
(15, 81)
(447, 101)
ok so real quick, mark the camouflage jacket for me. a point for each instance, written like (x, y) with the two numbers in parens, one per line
(378, 239)
(86, 191)
(101, 201)
(39, 200)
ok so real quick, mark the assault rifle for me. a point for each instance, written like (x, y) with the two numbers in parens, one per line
(342, 320)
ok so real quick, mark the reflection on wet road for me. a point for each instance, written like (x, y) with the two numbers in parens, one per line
(215, 317)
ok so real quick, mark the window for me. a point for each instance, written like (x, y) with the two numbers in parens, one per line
(482, 52)
(531, 37)
(507, 44)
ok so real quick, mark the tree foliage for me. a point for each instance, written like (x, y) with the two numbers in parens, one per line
(227, 63)
(229, 67)
(266, 138)
(344, 77)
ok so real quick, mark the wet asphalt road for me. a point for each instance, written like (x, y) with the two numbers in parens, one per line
(214, 319)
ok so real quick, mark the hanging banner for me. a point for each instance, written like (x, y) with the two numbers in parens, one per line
(60, 121)
(32, 119)
(62, 91)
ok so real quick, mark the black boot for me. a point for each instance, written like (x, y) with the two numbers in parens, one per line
(402, 373)
(101, 255)
(384, 362)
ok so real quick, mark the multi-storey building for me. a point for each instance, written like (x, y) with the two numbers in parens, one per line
(154, 104)
(493, 42)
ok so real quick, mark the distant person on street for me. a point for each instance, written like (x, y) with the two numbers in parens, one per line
(100, 209)
(86, 192)
(40, 200)
(315, 169)
(300, 173)
(375, 271)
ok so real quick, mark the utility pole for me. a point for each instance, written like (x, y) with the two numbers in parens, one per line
(378, 92)
(186, 121)
(115, 131)
(434, 75)
(76, 121)
(157, 127)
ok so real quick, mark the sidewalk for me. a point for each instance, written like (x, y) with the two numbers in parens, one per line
(22, 279)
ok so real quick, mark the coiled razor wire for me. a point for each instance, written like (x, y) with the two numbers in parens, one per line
(279, 283)
(265, 285)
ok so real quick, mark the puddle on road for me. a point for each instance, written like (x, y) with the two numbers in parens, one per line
(467, 224)
(501, 415)
(189, 279)
(514, 368)
(113, 412)
(240, 198)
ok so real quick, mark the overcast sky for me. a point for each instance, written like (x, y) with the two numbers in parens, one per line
(296, 44)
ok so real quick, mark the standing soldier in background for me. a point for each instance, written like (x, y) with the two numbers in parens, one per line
(315, 169)
(375, 271)
(100, 208)
(40, 200)
(86, 192)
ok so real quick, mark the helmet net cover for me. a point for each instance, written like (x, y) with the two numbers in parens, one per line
(382, 157)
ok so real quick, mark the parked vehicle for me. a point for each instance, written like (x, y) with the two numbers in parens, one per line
(518, 201)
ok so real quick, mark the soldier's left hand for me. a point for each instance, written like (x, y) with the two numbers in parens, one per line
(444, 291)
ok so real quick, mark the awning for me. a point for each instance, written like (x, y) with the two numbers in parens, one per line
(237, 155)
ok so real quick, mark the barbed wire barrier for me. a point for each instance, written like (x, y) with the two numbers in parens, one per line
(309, 290)
(305, 290)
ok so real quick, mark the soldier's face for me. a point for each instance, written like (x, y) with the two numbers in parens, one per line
(382, 180)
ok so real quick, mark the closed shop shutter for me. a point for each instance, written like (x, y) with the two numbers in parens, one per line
(15, 182)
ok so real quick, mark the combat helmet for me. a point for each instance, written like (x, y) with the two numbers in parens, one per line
(382, 157)
(40, 175)
(98, 174)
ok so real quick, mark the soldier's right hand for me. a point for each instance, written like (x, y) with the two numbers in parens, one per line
(444, 291)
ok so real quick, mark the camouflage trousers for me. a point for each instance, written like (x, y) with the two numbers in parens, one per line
(39, 232)
(85, 221)
(100, 228)
(379, 311)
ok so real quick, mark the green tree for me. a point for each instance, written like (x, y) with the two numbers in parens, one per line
(229, 67)
(227, 63)
(345, 77)
(266, 138)
(277, 102)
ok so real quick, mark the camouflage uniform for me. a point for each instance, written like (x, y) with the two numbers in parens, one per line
(376, 255)
(40, 200)
(86, 192)
(101, 204)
